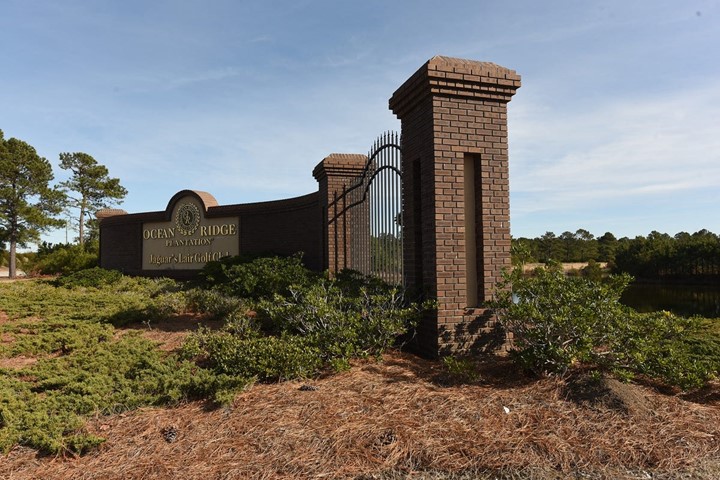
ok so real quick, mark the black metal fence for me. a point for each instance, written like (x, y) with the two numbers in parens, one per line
(365, 218)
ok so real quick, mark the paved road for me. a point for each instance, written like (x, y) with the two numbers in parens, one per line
(4, 273)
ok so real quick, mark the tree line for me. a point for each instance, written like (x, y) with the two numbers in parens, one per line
(657, 256)
(31, 204)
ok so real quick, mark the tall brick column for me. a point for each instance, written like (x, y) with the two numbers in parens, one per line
(456, 196)
(335, 172)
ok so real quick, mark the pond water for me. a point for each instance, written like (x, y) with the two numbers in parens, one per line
(685, 300)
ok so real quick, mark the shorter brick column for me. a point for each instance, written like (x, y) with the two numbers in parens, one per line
(336, 172)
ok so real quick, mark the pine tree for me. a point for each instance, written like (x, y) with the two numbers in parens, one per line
(28, 204)
(89, 187)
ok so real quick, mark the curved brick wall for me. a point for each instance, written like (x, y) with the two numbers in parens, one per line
(282, 227)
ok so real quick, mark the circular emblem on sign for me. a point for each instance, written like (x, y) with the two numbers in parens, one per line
(187, 218)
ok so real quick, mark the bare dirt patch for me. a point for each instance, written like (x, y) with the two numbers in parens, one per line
(17, 362)
(169, 333)
(3, 317)
(611, 394)
(396, 419)
(567, 266)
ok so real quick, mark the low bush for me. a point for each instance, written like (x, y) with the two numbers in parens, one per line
(92, 277)
(558, 322)
(215, 303)
(678, 350)
(342, 321)
(264, 358)
(315, 323)
(65, 259)
(256, 278)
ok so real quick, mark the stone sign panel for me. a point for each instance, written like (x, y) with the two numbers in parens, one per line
(189, 240)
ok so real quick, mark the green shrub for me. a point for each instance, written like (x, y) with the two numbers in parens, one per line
(65, 259)
(264, 358)
(341, 323)
(665, 346)
(129, 300)
(151, 287)
(558, 322)
(704, 341)
(23, 260)
(92, 277)
(261, 277)
(319, 313)
(355, 284)
(147, 300)
(461, 369)
(57, 336)
(214, 302)
(592, 270)
(86, 368)
(323, 323)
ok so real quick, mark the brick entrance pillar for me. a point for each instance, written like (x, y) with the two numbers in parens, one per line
(456, 213)
(336, 172)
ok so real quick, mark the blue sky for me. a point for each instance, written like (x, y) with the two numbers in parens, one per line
(616, 127)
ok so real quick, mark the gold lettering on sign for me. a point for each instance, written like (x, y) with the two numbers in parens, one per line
(204, 257)
(192, 242)
(156, 233)
(218, 230)
(189, 240)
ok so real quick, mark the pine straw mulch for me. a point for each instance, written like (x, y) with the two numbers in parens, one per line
(396, 419)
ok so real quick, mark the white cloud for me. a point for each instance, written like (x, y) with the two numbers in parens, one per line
(617, 152)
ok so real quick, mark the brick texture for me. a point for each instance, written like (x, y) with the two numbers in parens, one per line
(454, 111)
(334, 174)
(283, 227)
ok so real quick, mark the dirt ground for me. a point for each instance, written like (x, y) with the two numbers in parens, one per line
(5, 273)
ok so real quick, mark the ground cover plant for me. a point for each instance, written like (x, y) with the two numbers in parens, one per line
(74, 347)
(81, 371)
(283, 321)
(62, 359)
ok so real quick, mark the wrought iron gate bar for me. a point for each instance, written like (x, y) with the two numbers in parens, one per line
(370, 212)
(365, 191)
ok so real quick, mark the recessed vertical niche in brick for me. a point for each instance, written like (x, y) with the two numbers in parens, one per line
(456, 234)
(471, 198)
